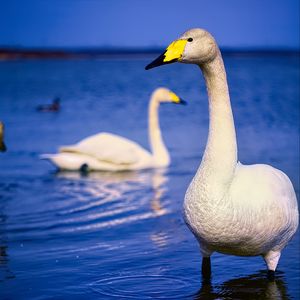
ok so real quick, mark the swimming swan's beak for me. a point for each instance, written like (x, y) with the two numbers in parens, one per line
(182, 102)
(172, 54)
(177, 100)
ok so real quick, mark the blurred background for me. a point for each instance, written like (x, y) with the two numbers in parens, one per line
(121, 235)
(143, 24)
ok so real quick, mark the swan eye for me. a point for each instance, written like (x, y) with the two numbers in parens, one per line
(190, 39)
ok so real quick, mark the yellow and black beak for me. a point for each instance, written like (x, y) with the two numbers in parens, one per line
(182, 102)
(177, 100)
(172, 54)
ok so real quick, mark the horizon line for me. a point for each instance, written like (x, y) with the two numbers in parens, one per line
(136, 48)
(11, 53)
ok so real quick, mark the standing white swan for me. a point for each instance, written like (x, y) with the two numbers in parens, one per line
(231, 208)
(110, 152)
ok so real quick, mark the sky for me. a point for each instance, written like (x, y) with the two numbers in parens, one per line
(147, 23)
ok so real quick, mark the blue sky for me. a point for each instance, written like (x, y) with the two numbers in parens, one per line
(147, 23)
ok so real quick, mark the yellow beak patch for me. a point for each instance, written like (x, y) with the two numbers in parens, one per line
(174, 97)
(175, 50)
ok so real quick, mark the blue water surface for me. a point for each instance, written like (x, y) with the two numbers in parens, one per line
(66, 235)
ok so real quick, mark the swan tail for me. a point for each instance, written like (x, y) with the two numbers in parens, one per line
(46, 156)
(67, 161)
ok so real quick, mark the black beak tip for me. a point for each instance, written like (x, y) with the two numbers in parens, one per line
(183, 102)
(148, 67)
(159, 61)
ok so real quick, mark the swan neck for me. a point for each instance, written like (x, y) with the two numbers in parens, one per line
(158, 148)
(220, 156)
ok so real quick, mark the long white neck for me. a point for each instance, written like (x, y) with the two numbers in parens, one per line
(220, 157)
(158, 148)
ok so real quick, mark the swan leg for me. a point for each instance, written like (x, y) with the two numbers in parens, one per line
(272, 258)
(206, 269)
(206, 264)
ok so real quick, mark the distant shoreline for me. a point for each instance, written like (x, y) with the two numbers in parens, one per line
(34, 53)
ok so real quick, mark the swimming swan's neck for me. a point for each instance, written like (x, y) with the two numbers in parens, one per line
(158, 148)
(220, 157)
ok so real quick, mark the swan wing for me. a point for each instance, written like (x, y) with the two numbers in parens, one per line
(262, 183)
(108, 147)
(263, 209)
(263, 192)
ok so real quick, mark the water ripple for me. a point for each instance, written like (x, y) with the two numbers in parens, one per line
(89, 203)
(148, 287)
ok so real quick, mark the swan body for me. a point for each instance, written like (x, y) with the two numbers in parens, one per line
(110, 152)
(257, 214)
(231, 208)
(102, 151)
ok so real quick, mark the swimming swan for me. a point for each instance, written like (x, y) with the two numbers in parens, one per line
(110, 152)
(236, 209)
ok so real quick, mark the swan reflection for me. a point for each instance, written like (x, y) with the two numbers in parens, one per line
(255, 286)
(112, 198)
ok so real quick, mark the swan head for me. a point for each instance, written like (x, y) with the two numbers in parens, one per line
(164, 95)
(195, 46)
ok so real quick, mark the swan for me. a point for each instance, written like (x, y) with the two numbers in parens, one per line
(110, 152)
(231, 208)
(2, 144)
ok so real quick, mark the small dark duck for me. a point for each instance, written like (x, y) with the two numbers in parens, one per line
(53, 107)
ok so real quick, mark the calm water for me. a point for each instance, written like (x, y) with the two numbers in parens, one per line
(121, 235)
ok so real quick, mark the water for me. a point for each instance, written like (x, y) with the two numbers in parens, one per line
(121, 235)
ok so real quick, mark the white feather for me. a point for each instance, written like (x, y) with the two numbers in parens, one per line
(106, 147)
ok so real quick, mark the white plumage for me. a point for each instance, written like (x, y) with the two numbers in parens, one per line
(256, 215)
(102, 151)
(110, 152)
(231, 208)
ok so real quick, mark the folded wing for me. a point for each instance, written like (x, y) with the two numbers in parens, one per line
(109, 148)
